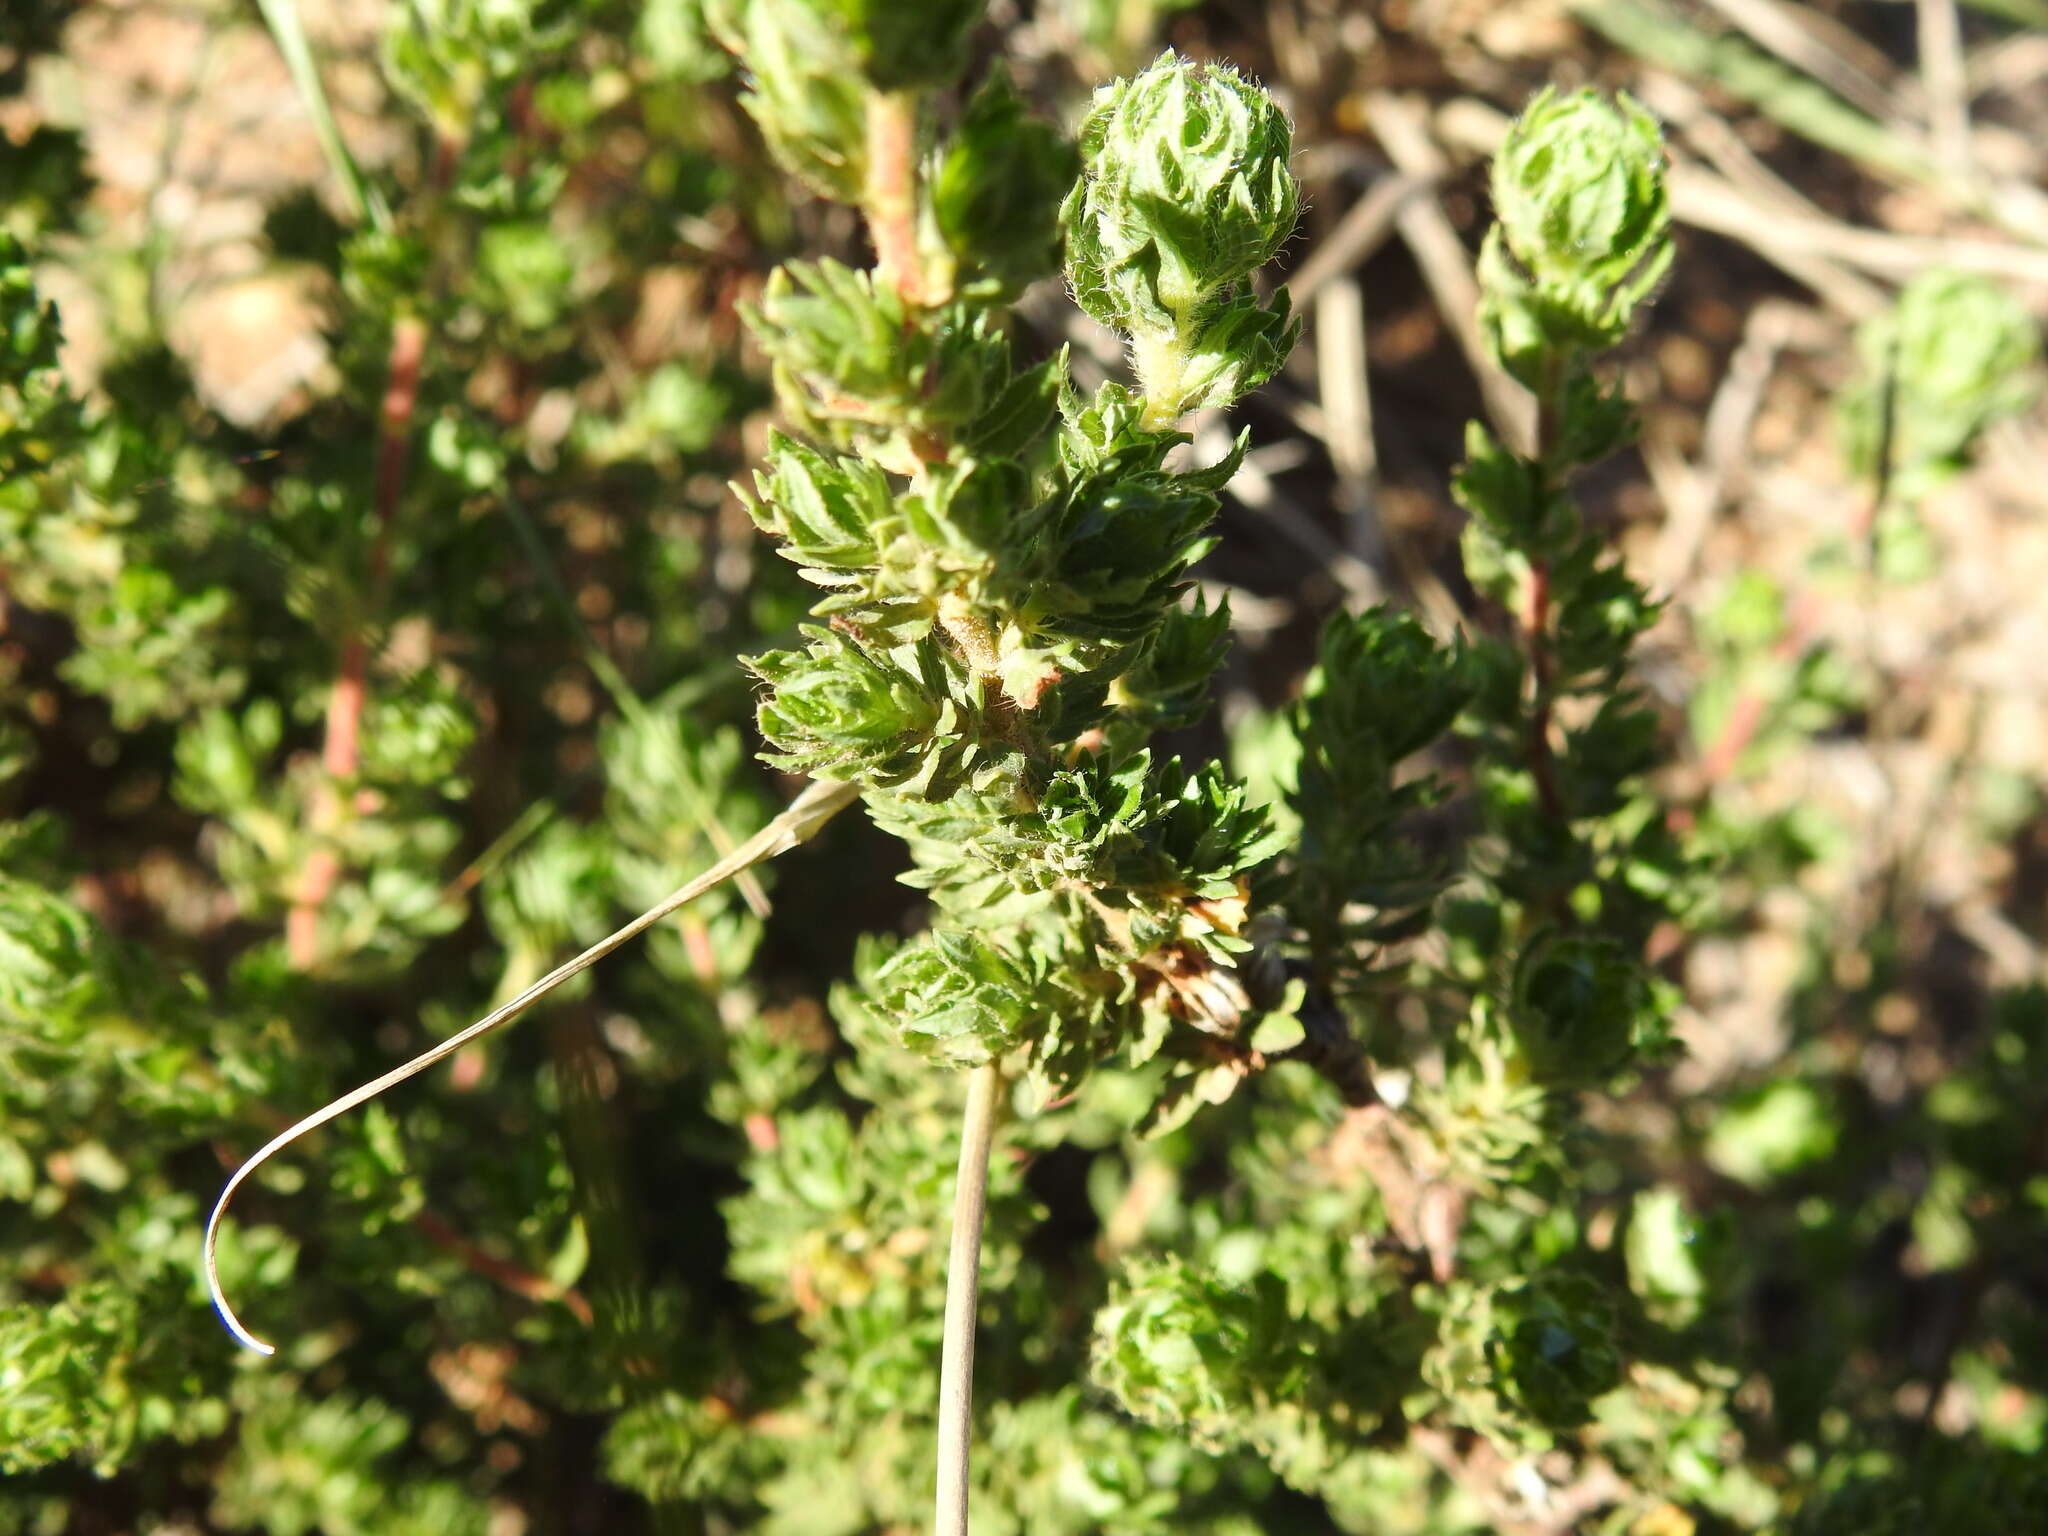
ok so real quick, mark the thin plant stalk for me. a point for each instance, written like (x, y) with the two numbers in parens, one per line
(341, 750)
(963, 1299)
(798, 824)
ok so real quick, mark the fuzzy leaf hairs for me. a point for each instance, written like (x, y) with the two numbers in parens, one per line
(1004, 563)
(1582, 229)
(1186, 192)
(1477, 1315)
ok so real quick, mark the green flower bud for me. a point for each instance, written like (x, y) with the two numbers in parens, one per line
(1187, 1353)
(1382, 688)
(1552, 1348)
(1185, 192)
(1578, 187)
(1582, 232)
(1955, 354)
(1580, 1006)
(851, 368)
(1169, 832)
(954, 996)
(838, 712)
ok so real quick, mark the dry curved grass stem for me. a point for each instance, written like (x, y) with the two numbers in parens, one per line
(810, 811)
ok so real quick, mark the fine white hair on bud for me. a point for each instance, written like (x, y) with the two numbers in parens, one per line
(1583, 231)
(1185, 192)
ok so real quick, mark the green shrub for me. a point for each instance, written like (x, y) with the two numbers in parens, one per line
(1311, 1105)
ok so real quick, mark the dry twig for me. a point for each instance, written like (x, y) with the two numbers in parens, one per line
(798, 824)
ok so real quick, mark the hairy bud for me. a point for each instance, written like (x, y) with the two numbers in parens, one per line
(837, 710)
(955, 996)
(1955, 354)
(1185, 193)
(1552, 1348)
(1580, 1007)
(1583, 231)
(1188, 1353)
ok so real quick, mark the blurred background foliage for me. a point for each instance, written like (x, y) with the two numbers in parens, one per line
(370, 381)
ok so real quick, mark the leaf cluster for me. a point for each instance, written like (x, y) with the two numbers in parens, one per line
(1954, 355)
(1005, 564)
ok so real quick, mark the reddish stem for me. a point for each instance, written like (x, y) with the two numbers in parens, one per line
(1535, 626)
(890, 200)
(1746, 717)
(1736, 733)
(341, 751)
(1536, 619)
(1747, 713)
(513, 1277)
(401, 395)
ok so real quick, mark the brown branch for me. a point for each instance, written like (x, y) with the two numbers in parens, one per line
(1329, 1048)
(513, 1277)
(1425, 1213)
(1746, 716)
(341, 751)
(1475, 1465)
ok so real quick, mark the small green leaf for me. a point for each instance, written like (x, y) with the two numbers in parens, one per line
(998, 192)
